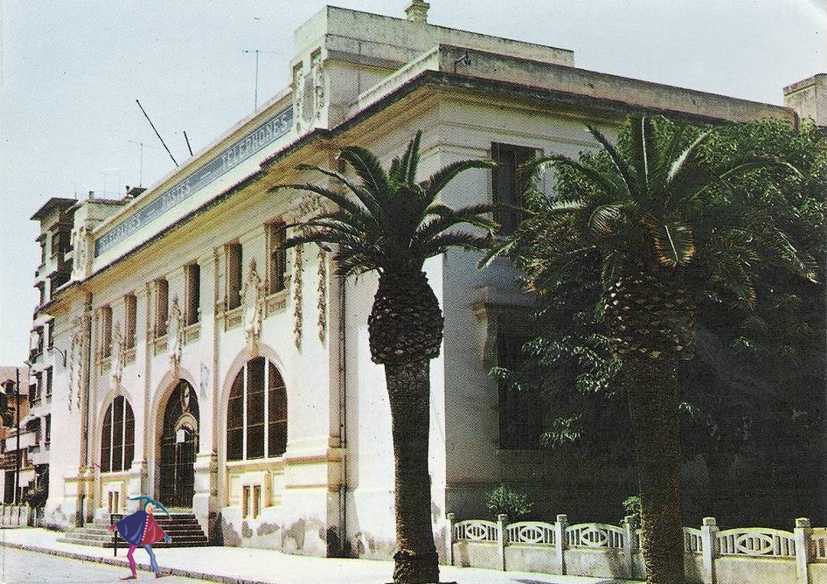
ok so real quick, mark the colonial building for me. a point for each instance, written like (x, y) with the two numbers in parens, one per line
(23, 447)
(209, 368)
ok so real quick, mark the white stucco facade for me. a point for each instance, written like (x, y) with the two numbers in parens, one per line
(358, 79)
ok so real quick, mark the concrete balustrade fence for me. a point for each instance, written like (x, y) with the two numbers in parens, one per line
(712, 556)
(14, 515)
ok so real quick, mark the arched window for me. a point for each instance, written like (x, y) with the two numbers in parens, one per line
(257, 412)
(118, 439)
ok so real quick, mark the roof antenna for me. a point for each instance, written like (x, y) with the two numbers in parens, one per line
(257, 53)
(188, 142)
(156, 132)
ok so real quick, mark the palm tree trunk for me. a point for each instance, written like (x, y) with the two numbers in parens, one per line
(652, 390)
(409, 394)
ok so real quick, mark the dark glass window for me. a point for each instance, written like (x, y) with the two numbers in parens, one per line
(255, 408)
(193, 293)
(507, 185)
(263, 418)
(106, 441)
(131, 318)
(521, 412)
(235, 419)
(161, 307)
(234, 278)
(106, 331)
(118, 436)
(278, 258)
(277, 413)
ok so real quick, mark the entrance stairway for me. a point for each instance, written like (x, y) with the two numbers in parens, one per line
(182, 527)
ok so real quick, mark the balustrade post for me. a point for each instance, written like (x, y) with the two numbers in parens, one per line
(709, 543)
(803, 539)
(451, 517)
(560, 535)
(502, 522)
(629, 544)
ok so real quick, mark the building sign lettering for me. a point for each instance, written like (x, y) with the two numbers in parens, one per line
(264, 135)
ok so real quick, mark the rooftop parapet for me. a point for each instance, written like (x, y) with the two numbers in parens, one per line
(808, 98)
(571, 87)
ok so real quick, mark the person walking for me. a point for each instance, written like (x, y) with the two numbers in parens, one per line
(141, 529)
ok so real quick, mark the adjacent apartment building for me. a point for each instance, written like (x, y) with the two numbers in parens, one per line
(196, 361)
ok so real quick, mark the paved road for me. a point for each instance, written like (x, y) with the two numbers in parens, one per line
(23, 567)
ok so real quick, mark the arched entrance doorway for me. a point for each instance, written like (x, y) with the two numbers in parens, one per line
(179, 445)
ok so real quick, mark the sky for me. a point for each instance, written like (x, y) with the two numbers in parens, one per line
(70, 73)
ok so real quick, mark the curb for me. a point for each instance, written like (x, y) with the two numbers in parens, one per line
(123, 563)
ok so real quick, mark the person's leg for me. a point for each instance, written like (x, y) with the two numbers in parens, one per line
(132, 565)
(152, 561)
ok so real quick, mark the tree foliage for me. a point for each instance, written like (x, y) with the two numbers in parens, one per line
(753, 386)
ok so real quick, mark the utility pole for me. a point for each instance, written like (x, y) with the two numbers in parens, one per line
(17, 431)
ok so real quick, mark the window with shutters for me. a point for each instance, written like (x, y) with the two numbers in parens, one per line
(507, 184)
(106, 331)
(49, 375)
(234, 278)
(277, 256)
(130, 319)
(161, 307)
(193, 293)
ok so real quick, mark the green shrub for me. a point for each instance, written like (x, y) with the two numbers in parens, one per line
(631, 505)
(504, 500)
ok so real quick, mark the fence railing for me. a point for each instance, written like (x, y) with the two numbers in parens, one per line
(14, 515)
(601, 549)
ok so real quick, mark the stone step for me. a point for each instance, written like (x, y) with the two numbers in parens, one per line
(182, 527)
(121, 545)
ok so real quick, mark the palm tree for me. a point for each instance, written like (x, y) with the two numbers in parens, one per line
(668, 229)
(389, 223)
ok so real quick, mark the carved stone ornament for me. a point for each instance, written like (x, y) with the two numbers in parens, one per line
(321, 290)
(82, 244)
(298, 267)
(251, 298)
(75, 361)
(310, 205)
(317, 77)
(298, 96)
(175, 334)
(116, 372)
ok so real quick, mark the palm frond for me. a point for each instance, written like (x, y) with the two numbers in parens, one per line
(413, 158)
(442, 242)
(592, 175)
(472, 215)
(617, 159)
(369, 169)
(674, 242)
(604, 218)
(339, 198)
(365, 197)
(679, 164)
(437, 181)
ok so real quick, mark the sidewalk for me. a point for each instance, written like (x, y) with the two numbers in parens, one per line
(253, 566)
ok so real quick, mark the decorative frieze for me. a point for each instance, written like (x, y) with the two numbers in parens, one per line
(251, 299)
(175, 334)
(75, 361)
(321, 291)
(116, 359)
(192, 333)
(298, 268)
